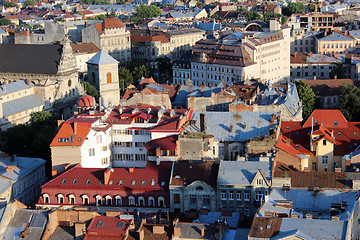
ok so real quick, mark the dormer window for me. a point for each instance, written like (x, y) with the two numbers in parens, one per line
(153, 182)
(88, 181)
(111, 182)
(355, 134)
(297, 146)
(316, 123)
(142, 183)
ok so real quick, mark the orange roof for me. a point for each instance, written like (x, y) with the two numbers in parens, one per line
(70, 134)
(109, 23)
(329, 118)
(147, 80)
(141, 39)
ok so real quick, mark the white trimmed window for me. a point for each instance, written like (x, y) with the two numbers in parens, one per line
(71, 199)
(231, 195)
(238, 196)
(246, 196)
(325, 160)
(260, 196)
(161, 202)
(151, 202)
(98, 200)
(85, 199)
(223, 195)
(108, 200)
(118, 200)
(141, 201)
(46, 198)
(131, 201)
(60, 198)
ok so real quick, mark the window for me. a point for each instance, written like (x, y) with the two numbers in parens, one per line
(120, 182)
(46, 198)
(260, 181)
(71, 199)
(260, 196)
(104, 161)
(98, 200)
(85, 200)
(108, 77)
(324, 160)
(108, 200)
(60, 199)
(133, 183)
(118, 200)
(206, 199)
(88, 181)
(142, 183)
(192, 198)
(231, 195)
(223, 195)
(91, 152)
(153, 182)
(324, 142)
(99, 139)
(246, 196)
(151, 202)
(221, 150)
(131, 201)
(335, 123)
(247, 211)
(339, 133)
(176, 198)
(63, 181)
(74, 181)
(161, 202)
(100, 223)
(238, 196)
(141, 201)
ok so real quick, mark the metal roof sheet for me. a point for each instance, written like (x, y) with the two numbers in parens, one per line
(21, 104)
(102, 57)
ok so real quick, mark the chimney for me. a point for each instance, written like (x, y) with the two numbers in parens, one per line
(203, 231)
(295, 54)
(244, 125)
(335, 77)
(202, 123)
(314, 77)
(75, 128)
(325, 34)
(131, 170)
(311, 54)
(4, 88)
(107, 175)
(28, 82)
(177, 231)
(231, 128)
(272, 119)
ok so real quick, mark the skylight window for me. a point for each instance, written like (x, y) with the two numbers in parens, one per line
(63, 181)
(75, 181)
(120, 182)
(162, 184)
(88, 181)
(111, 182)
(101, 182)
(153, 182)
(120, 224)
(142, 183)
(100, 223)
(133, 183)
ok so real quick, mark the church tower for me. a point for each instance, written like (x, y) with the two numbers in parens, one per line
(103, 73)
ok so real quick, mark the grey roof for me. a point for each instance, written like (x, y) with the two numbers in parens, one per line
(335, 37)
(184, 92)
(292, 100)
(193, 230)
(322, 58)
(30, 58)
(2, 31)
(207, 26)
(242, 172)
(184, 31)
(21, 104)
(313, 228)
(305, 200)
(15, 86)
(355, 33)
(213, 217)
(245, 125)
(102, 57)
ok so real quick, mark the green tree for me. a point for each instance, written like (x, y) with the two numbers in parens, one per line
(253, 16)
(5, 22)
(293, 7)
(141, 71)
(215, 3)
(165, 67)
(308, 98)
(28, 3)
(10, 4)
(120, 2)
(350, 102)
(90, 89)
(41, 116)
(143, 12)
(339, 71)
(125, 77)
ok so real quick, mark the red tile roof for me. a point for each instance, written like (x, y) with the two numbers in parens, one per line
(84, 48)
(327, 118)
(129, 93)
(108, 23)
(165, 143)
(143, 39)
(111, 227)
(70, 134)
(147, 81)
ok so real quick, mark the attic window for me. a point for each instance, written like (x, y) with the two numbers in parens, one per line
(120, 224)
(297, 146)
(79, 139)
(153, 182)
(120, 182)
(316, 123)
(142, 183)
(74, 181)
(111, 182)
(355, 134)
(294, 124)
(335, 123)
(100, 223)
(88, 181)
(63, 181)
(287, 128)
(339, 133)
(101, 182)
(133, 183)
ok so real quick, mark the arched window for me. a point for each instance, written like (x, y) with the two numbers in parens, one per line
(46, 198)
(161, 202)
(131, 201)
(118, 200)
(141, 201)
(199, 188)
(151, 202)
(98, 200)
(108, 200)
(71, 199)
(60, 198)
(85, 199)
(108, 77)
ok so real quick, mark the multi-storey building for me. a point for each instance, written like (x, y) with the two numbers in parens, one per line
(82, 53)
(115, 137)
(243, 186)
(112, 36)
(334, 42)
(311, 22)
(302, 42)
(214, 61)
(104, 189)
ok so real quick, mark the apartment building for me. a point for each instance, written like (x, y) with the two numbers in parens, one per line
(115, 137)
(311, 22)
(242, 186)
(112, 36)
(302, 42)
(335, 43)
(214, 61)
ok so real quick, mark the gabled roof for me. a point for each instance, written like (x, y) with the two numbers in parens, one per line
(327, 118)
(110, 227)
(165, 143)
(108, 23)
(102, 57)
(71, 134)
(335, 36)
